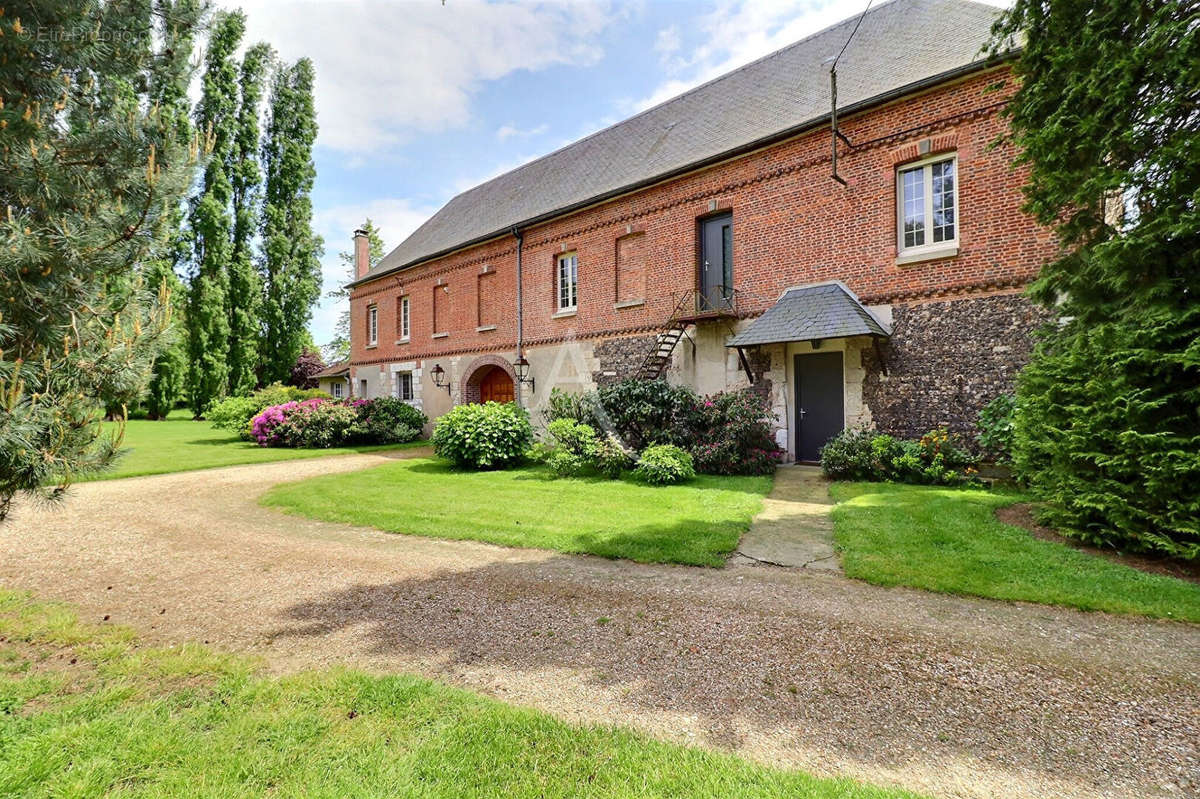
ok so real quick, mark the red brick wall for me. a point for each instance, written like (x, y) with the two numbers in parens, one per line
(792, 225)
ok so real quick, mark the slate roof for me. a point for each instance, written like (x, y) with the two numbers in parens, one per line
(900, 47)
(334, 370)
(807, 313)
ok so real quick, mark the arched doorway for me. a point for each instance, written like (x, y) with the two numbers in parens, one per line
(496, 386)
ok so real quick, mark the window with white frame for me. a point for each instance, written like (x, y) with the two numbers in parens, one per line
(372, 325)
(337, 389)
(402, 318)
(927, 205)
(404, 385)
(568, 281)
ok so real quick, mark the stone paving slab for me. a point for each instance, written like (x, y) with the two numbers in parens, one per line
(795, 528)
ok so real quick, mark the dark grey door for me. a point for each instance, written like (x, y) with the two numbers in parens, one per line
(819, 411)
(716, 262)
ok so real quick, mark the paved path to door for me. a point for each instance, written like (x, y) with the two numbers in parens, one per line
(795, 527)
(952, 696)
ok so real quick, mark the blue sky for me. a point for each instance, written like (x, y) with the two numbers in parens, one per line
(417, 101)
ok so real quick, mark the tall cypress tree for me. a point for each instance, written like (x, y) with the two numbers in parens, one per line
(169, 89)
(291, 267)
(245, 288)
(1108, 412)
(210, 224)
(90, 168)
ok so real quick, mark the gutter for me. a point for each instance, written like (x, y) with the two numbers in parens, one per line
(520, 237)
(786, 133)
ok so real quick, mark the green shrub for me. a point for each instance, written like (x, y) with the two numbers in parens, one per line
(236, 413)
(565, 463)
(577, 439)
(996, 427)
(576, 407)
(645, 412)
(609, 457)
(850, 456)
(388, 420)
(732, 434)
(318, 425)
(664, 464)
(488, 436)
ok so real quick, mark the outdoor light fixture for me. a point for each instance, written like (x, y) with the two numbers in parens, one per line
(439, 377)
(521, 365)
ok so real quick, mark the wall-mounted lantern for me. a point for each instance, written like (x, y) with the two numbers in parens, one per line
(439, 377)
(521, 367)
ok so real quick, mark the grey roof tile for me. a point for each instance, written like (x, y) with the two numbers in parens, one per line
(807, 313)
(898, 45)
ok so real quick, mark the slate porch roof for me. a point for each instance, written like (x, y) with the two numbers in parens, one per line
(339, 369)
(807, 313)
(901, 47)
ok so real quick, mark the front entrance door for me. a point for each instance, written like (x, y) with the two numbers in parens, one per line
(716, 262)
(496, 386)
(819, 393)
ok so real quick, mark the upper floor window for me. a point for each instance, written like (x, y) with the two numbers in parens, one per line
(568, 281)
(402, 318)
(372, 325)
(927, 205)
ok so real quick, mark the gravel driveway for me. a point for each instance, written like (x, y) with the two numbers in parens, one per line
(952, 696)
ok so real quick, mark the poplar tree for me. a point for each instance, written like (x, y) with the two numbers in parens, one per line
(291, 268)
(169, 89)
(1108, 414)
(211, 226)
(338, 349)
(245, 287)
(90, 168)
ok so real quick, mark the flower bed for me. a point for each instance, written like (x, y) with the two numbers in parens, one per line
(322, 423)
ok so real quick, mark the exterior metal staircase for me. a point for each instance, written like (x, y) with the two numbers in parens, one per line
(690, 308)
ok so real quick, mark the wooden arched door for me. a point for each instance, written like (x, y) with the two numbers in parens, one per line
(496, 386)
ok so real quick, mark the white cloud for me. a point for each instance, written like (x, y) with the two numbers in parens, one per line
(668, 42)
(509, 131)
(388, 70)
(737, 32)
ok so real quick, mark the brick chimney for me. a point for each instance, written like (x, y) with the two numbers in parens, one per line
(362, 253)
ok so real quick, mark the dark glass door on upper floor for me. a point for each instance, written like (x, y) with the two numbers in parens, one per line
(716, 262)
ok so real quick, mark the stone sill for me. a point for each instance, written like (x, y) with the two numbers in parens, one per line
(439, 335)
(370, 346)
(628, 304)
(485, 328)
(927, 255)
(565, 314)
(402, 341)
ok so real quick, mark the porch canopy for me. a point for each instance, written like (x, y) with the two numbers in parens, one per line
(810, 313)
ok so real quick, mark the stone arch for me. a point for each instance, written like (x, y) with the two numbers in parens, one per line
(469, 387)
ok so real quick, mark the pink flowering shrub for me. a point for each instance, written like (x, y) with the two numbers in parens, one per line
(322, 423)
(732, 435)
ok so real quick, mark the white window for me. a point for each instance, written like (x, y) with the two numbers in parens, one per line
(404, 385)
(927, 205)
(372, 325)
(336, 389)
(402, 318)
(568, 280)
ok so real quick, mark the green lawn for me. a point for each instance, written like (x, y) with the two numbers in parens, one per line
(87, 712)
(948, 540)
(179, 445)
(697, 523)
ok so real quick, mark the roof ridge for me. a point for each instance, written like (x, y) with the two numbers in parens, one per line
(717, 79)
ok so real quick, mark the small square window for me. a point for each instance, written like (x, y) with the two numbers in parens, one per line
(927, 205)
(568, 281)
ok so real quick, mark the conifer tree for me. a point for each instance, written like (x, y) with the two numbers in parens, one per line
(291, 267)
(90, 168)
(338, 349)
(211, 226)
(1108, 415)
(245, 288)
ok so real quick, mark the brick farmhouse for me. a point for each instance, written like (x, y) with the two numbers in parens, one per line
(707, 241)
